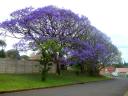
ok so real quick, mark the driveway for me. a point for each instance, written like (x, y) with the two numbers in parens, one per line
(115, 87)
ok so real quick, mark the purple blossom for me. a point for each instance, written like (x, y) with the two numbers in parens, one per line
(79, 39)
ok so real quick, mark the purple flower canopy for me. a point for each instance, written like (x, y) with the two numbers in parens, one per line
(88, 51)
(75, 33)
(45, 22)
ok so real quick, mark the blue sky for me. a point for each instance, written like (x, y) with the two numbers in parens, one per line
(109, 16)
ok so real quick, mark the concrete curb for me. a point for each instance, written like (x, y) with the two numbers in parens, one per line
(11, 91)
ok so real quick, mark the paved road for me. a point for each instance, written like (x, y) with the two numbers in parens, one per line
(103, 88)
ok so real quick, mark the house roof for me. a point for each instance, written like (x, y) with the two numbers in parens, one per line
(122, 70)
(110, 68)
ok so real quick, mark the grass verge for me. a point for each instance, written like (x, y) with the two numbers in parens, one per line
(11, 82)
(126, 94)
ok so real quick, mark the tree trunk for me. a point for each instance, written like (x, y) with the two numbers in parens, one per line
(56, 61)
(43, 73)
(81, 68)
(57, 67)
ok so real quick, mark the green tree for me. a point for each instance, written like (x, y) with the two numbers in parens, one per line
(13, 54)
(2, 52)
(51, 50)
(25, 57)
(2, 44)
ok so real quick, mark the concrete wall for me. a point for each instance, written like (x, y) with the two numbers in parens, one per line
(18, 66)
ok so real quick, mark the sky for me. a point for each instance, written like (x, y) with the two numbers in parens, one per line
(109, 16)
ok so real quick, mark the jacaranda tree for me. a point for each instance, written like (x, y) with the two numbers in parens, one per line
(42, 24)
(93, 52)
(51, 30)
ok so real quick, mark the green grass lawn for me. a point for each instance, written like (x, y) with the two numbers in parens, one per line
(10, 82)
(126, 94)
